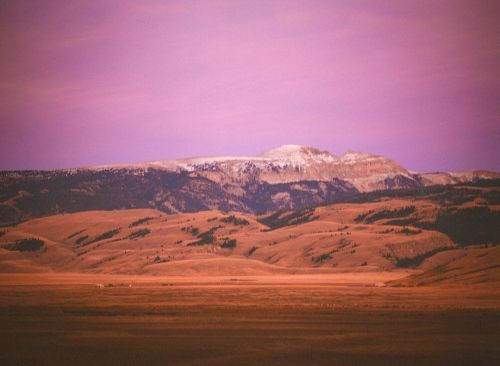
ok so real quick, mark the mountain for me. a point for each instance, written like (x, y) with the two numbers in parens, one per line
(286, 177)
(293, 163)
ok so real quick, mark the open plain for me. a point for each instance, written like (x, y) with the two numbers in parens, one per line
(333, 319)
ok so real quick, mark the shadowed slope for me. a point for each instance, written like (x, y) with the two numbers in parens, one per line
(465, 266)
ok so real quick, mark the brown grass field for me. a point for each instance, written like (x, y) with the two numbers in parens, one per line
(332, 242)
(336, 319)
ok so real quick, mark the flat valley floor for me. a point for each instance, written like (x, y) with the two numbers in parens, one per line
(338, 319)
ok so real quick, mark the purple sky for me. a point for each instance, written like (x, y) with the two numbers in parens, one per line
(93, 82)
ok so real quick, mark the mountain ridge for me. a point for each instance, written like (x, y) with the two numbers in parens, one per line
(365, 171)
(287, 177)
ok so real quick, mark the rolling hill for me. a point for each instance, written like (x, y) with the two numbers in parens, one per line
(384, 235)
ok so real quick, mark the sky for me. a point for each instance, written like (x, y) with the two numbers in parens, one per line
(97, 82)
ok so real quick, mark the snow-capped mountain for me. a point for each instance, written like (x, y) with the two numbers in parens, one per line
(291, 163)
(286, 177)
(294, 163)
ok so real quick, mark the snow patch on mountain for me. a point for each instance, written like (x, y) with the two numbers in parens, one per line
(353, 157)
(299, 155)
